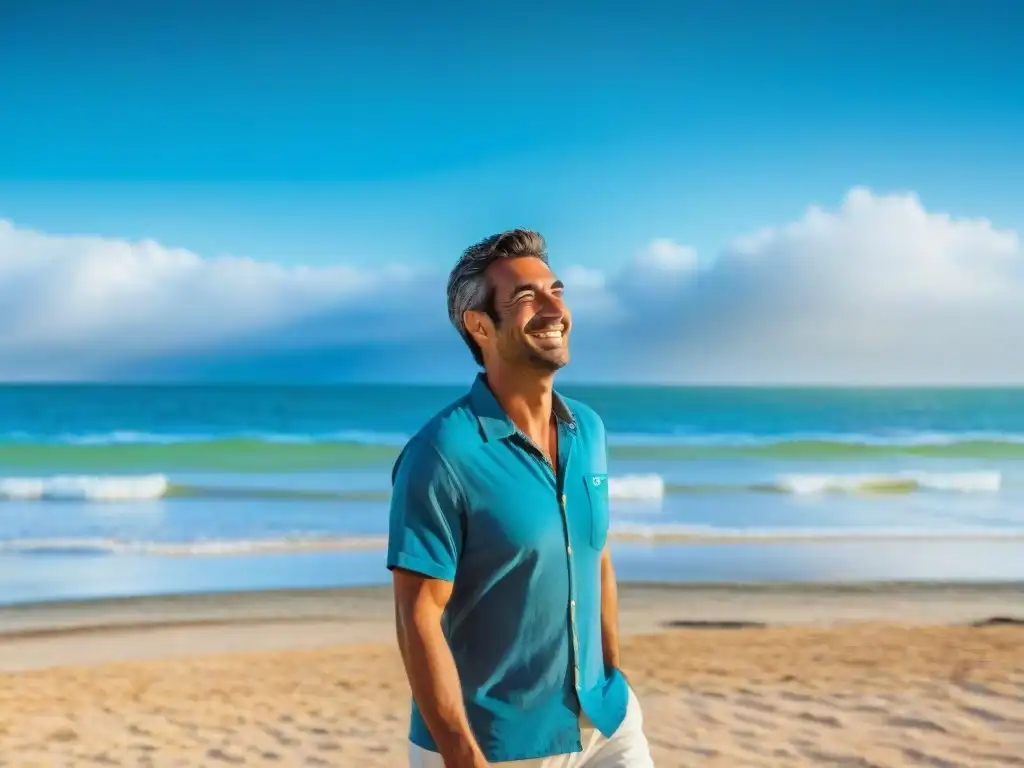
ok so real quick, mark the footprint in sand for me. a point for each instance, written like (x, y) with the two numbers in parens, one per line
(918, 757)
(224, 757)
(63, 735)
(916, 723)
(827, 720)
(760, 706)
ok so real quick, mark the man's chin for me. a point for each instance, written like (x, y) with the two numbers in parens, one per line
(549, 363)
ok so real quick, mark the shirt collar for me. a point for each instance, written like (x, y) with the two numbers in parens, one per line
(495, 423)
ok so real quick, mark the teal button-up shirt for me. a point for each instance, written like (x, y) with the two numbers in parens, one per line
(476, 503)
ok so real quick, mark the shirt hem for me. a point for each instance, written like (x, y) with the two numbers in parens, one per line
(423, 567)
(506, 757)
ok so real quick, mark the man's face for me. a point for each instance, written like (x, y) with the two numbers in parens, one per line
(532, 327)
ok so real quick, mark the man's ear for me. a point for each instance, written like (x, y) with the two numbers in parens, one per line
(478, 325)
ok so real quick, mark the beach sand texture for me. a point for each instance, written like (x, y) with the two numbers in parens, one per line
(899, 676)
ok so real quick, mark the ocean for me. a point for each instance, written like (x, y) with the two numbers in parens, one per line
(135, 490)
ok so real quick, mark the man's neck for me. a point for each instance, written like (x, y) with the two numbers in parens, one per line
(527, 399)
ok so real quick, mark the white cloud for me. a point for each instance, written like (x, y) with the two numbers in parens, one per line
(667, 257)
(81, 305)
(655, 276)
(877, 290)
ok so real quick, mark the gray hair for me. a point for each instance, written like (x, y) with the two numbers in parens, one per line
(467, 286)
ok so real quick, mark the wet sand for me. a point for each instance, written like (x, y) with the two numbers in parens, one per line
(733, 675)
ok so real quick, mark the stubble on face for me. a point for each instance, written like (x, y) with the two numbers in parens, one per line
(533, 322)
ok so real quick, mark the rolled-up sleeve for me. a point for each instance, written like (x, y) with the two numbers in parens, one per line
(426, 519)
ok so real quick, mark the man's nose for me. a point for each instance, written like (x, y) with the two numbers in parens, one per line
(552, 306)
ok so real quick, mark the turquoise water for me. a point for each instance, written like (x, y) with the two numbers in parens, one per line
(94, 479)
(306, 428)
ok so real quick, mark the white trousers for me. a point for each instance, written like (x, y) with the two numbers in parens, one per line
(626, 748)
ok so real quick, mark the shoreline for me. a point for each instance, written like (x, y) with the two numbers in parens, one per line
(26, 579)
(378, 543)
(241, 600)
(94, 631)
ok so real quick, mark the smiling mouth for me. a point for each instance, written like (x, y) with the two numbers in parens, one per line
(549, 337)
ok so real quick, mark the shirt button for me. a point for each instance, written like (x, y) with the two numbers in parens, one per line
(569, 551)
(563, 499)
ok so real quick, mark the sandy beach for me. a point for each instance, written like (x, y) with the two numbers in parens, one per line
(885, 675)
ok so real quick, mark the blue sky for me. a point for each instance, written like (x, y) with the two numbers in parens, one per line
(319, 134)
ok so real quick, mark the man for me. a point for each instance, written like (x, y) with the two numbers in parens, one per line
(505, 594)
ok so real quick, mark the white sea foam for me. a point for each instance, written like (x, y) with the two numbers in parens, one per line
(83, 488)
(621, 488)
(623, 533)
(636, 488)
(896, 439)
(143, 487)
(201, 548)
(954, 482)
(130, 437)
(679, 437)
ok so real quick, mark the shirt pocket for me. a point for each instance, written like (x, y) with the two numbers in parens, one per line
(597, 494)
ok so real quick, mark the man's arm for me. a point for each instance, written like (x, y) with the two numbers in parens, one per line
(609, 611)
(430, 668)
(425, 536)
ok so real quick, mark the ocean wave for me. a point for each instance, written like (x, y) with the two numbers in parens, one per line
(625, 440)
(636, 487)
(126, 451)
(83, 488)
(246, 455)
(87, 546)
(621, 533)
(893, 438)
(135, 437)
(898, 482)
(884, 483)
(622, 488)
(359, 437)
(834, 448)
(110, 488)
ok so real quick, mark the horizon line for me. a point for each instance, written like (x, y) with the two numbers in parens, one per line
(599, 384)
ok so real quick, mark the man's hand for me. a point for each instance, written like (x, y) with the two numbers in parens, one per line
(476, 760)
(433, 677)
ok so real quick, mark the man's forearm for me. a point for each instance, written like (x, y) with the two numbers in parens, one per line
(609, 612)
(434, 681)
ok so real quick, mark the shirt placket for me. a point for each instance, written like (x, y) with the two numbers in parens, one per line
(565, 452)
(565, 445)
(572, 597)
